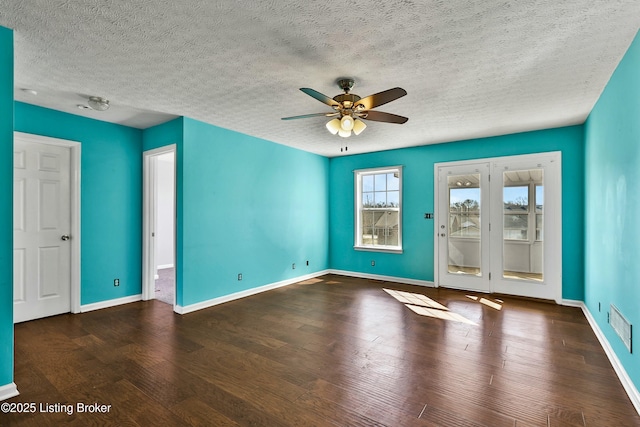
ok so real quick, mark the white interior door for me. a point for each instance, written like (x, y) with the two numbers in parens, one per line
(463, 226)
(42, 227)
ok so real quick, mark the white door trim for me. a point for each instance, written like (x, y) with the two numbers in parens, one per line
(148, 220)
(75, 149)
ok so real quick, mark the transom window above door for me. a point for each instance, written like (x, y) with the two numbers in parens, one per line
(378, 206)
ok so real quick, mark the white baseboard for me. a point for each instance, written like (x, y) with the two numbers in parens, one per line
(110, 303)
(163, 266)
(383, 278)
(572, 303)
(8, 391)
(242, 294)
(628, 385)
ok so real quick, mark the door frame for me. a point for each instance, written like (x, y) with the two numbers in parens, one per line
(75, 149)
(552, 221)
(149, 220)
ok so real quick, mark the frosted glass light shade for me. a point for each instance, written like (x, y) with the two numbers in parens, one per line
(97, 103)
(358, 126)
(344, 133)
(333, 126)
(346, 123)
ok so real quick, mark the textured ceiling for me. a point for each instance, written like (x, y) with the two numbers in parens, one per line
(471, 68)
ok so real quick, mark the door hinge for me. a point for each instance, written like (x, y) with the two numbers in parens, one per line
(489, 276)
(489, 226)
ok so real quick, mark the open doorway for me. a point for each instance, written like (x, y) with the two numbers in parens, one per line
(159, 225)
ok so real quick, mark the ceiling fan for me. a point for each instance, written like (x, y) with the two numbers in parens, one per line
(350, 108)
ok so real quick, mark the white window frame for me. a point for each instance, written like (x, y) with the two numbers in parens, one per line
(358, 174)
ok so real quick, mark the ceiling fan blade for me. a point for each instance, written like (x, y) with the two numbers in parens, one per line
(381, 98)
(319, 96)
(379, 116)
(304, 116)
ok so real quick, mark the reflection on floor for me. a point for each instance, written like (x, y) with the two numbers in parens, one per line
(475, 271)
(165, 285)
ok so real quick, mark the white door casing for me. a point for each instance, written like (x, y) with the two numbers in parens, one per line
(149, 220)
(493, 216)
(45, 227)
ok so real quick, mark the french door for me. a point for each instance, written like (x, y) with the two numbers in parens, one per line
(498, 225)
(463, 226)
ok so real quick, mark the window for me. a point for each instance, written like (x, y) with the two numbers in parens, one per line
(378, 208)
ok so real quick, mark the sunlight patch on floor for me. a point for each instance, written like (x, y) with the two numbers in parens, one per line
(415, 299)
(425, 306)
(439, 314)
(496, 305)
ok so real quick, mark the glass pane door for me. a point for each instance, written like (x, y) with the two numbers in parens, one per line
(522, 224)
(463, 227)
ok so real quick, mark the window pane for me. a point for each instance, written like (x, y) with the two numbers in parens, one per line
(381, 182)
(539, 228)
(367, 200)
(386, 227)
(539, 198)
(393, 199)
(515, 226)
(464, 240)
(380, 199)
(393, 181)
(516, 199)
(368, 221)
(367, 182)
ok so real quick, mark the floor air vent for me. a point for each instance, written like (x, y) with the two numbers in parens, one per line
(621, 326)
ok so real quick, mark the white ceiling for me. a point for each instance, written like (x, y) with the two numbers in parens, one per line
(471, 68)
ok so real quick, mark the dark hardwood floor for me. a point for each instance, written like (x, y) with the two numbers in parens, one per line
(328, 351)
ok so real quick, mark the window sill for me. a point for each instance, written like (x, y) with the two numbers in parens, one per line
(390, 250)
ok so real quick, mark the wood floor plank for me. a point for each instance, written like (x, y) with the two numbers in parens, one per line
(330, 351)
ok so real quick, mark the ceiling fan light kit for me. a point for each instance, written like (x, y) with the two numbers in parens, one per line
(350, 108)
(98, 103)
(358, 126)
(333, 126)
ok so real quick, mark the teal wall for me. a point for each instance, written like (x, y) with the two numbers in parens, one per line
(612, 229)
(111, 198)
(6, 206)
(248, 206)
(416, 261)
(163, 134)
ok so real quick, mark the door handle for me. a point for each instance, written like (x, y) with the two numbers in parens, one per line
(442, 234)
(65, 237)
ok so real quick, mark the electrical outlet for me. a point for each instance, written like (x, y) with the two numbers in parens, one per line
(373, 263)
(293, 266)
(240, 276)
(116, 282)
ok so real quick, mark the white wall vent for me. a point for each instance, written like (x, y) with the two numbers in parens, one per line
(621, 326)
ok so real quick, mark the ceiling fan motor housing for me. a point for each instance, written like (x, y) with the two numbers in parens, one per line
(347, 100)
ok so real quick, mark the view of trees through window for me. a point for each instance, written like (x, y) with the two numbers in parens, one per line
(518, 211)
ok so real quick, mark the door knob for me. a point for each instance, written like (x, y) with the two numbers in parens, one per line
(65, 237)
(442, 234)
